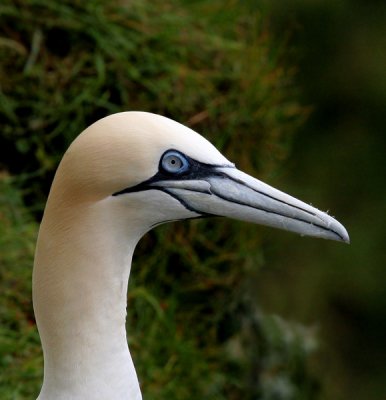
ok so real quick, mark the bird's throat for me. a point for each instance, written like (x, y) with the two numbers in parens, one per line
(80, 282)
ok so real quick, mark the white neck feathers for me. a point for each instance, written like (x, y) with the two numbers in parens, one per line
(81, 271)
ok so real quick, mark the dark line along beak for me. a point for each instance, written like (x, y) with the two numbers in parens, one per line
(228, 192)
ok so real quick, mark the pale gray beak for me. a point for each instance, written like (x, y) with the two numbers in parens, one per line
(228, 192)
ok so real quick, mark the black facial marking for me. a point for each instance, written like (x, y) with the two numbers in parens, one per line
(196, 170)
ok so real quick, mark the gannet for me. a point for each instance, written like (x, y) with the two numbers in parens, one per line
(122, 176)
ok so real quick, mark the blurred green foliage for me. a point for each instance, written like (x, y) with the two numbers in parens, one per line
(194, 328)
(20, 355)
(66, 65)
(337, 162)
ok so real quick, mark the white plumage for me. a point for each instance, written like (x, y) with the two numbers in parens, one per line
(122, 176)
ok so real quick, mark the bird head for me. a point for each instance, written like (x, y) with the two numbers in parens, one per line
(165, 171)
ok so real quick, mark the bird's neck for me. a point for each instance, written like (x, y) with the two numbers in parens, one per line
(81, 272)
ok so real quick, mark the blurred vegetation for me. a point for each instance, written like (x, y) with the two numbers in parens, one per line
(66, 65)
(20, 355)
(337, 162)
(194, 326)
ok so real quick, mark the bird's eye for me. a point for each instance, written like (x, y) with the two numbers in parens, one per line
(174, 162)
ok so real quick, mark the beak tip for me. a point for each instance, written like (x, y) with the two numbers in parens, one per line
(346, 238)
(341, 232)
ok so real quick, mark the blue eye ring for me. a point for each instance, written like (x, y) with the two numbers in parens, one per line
(174, 162)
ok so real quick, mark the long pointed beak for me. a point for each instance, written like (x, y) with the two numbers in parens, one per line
(231, 193)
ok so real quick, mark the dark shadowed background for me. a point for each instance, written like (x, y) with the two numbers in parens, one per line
(338, 163)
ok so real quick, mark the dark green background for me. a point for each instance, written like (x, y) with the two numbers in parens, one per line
(338, 163)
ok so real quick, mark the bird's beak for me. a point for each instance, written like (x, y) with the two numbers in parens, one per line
(228, 192)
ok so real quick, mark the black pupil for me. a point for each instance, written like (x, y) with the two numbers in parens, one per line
(174, 162)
